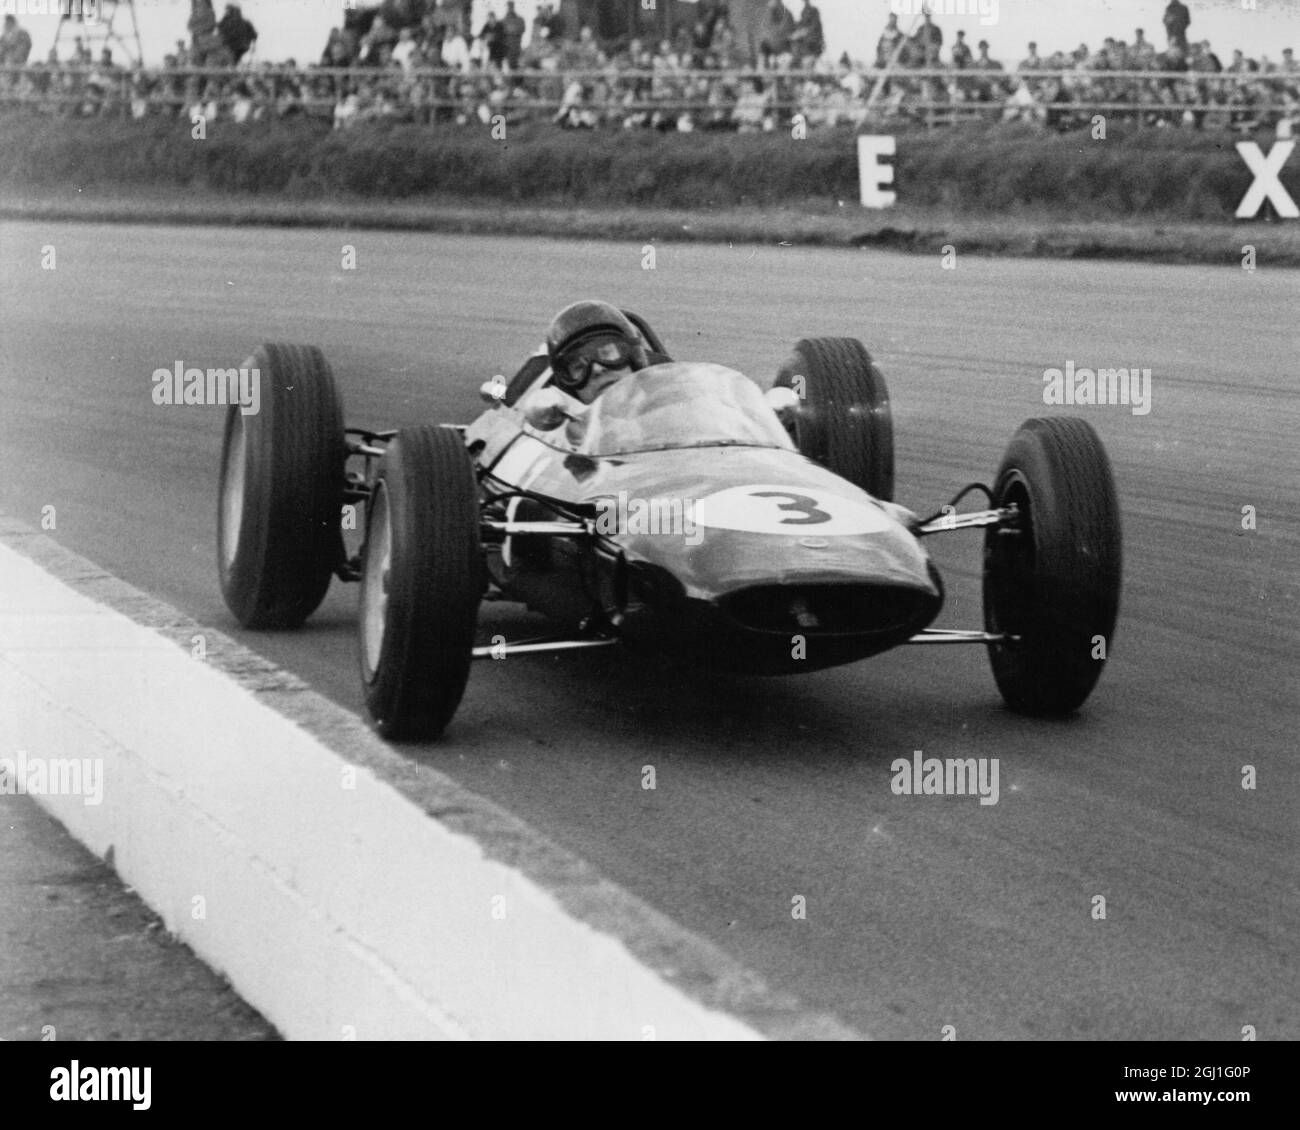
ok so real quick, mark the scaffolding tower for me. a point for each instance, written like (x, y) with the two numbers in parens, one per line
(92, 22)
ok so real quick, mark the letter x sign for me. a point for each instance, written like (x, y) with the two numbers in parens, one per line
(1267, 184)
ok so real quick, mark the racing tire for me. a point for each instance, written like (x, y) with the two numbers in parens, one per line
(843, 420)
(421, 582)
(1053, 580)
(281, 489)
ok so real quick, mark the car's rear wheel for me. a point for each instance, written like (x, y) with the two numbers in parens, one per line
(280, 493)
(843, 419)
(1053, 579)
(422, 578)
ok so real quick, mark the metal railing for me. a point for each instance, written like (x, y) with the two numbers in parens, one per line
(614, 94)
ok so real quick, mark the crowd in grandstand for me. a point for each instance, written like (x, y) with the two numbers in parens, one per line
(422, 61)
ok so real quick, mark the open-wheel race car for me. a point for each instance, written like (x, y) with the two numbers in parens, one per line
(693, 515)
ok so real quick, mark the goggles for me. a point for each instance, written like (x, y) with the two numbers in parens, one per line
(574, 368)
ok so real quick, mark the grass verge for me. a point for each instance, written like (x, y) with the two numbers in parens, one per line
(919, 231)
(1156, 195)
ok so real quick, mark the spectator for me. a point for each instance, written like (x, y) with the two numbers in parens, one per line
(777, 28)
(377, 43)
(543, 53)
(1022, 106)
(851, 80)
(712, 13)
(347, 109)
(404, 53)
(455, 52)
(102, 85)
(242, 106)
(402, 13)
(141, 89)
(288, 95)
(664, 61)
(575, 110)
(1240, 65)
(203, 20)
(336, 52)
(206, 48)
(645, 90)
(721, 103)
(927, 41)
(726, 44)
(1199, 61)
(493, 37)
(1174, 59)
(961, 52)
(752, 108)
(987, 90)
(1177, 19)
(1030, 88)
(808, 39)
(514, 27)
(445, 21)
(1144, 52)
(547, 17)
(682, 44)
(889, 41)
(701, 41)
(15, 43)
(237, 34)
(584, 55)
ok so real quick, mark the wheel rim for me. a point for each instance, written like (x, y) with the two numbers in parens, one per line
(232, 496)
(374, 581)
(1016, 561)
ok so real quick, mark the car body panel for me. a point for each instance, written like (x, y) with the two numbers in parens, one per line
(731, 547)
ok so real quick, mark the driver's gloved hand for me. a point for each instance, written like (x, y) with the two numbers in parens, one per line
(575, 427)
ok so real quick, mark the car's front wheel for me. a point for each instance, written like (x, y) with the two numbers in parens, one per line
(1052, 579)
(422, 578)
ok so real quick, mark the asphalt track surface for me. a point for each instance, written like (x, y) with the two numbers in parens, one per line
(83, 958)
(921, 911)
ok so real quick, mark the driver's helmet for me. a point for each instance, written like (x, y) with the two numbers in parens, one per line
(591, 335)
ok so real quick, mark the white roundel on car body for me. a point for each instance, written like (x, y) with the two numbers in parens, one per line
(774, 508)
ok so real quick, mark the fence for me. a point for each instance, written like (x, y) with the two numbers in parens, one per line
(676, 99)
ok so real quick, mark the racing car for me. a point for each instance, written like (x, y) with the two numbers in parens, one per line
(695, 516)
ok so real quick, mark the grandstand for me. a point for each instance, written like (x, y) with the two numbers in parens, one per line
(653, 69)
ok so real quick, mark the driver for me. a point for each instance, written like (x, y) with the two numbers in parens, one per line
(591, 345)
